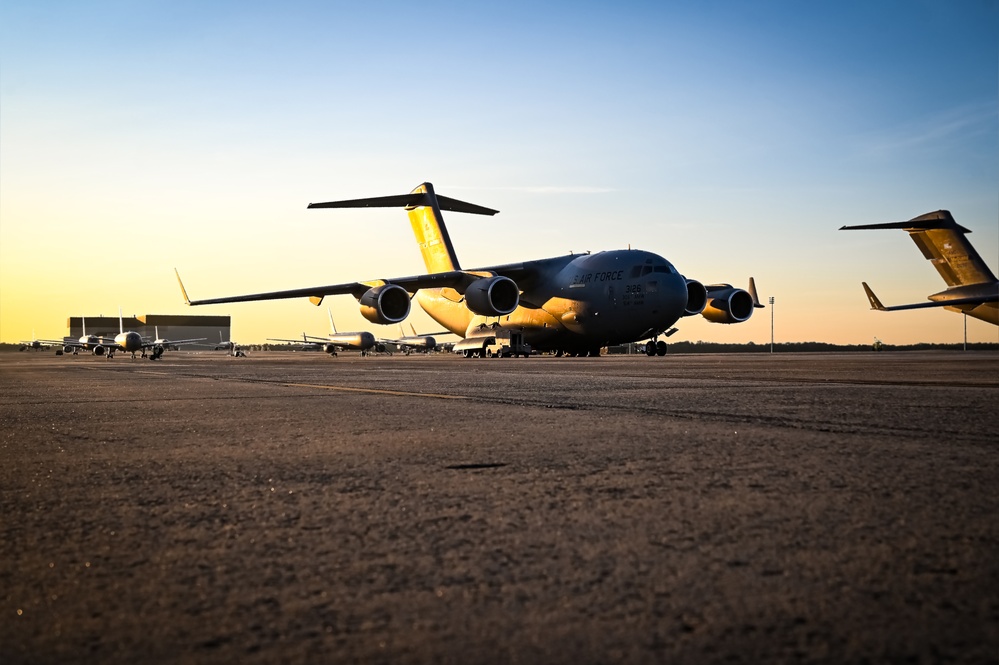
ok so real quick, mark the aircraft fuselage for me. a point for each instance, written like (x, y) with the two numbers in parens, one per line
(580, 301)
(358, 341)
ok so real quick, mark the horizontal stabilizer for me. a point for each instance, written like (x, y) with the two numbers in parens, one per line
(941, 219)
(411, 200)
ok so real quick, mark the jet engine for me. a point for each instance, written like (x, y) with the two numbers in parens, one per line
(697, 298)
(99, 350)
(492, 296)
(385, 304)
(67, 349)
(727, 304)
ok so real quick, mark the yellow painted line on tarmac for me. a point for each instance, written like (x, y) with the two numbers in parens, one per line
(374, 391)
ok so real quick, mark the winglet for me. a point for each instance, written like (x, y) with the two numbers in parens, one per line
(183, 291)
(316, 300)
(875, 303)
(752, 291)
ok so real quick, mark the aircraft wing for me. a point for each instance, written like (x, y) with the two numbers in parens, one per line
(953, 302)
(454, 279)
(943, 243)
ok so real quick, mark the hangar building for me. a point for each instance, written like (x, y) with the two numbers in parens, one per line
(170, 326)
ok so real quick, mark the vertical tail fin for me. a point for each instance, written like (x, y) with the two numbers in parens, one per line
(431, 233)
(332, 325)
(121, 321)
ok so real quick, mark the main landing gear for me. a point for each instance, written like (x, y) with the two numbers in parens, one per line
(655, 348)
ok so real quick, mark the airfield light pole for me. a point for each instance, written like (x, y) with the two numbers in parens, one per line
(771, 324)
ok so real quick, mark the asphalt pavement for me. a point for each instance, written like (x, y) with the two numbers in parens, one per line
(291, 507)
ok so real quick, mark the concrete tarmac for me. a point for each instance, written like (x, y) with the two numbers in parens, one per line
(820, 508)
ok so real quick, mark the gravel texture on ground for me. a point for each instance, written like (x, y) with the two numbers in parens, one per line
(816, 508)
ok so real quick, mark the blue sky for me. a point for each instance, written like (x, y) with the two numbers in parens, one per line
(732, 138)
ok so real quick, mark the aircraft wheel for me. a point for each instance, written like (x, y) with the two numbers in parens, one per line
(661, 348)
(650, 348)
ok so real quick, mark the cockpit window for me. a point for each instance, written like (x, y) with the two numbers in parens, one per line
(636, 271)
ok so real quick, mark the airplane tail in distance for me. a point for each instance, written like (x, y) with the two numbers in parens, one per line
(424, 207)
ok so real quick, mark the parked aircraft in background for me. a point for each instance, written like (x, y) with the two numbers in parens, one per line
(93, 343)
(415, 342)
(127, 341)
(35, 344)
(159, 345)
(355, 341)
(572, 304)
(972, 288)
(228, 345)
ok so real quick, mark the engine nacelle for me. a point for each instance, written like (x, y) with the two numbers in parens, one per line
(697, 298)
(492, 296)
(385, 304)
(727, 304)
(99, 350)
(67, 349)
(330, 349)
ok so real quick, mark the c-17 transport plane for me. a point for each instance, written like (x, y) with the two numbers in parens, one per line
(572, 304)
(972, 288)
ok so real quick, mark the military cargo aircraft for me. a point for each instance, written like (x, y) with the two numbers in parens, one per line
(972, 288)
(572, 304)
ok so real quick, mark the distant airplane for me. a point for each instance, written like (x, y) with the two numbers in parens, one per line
(85, 342)
(414, 342)
(127, 341)
(972, 288)
(35, 344)
(356, 341)
(228, 345)
(161, 344)
(572, 304)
